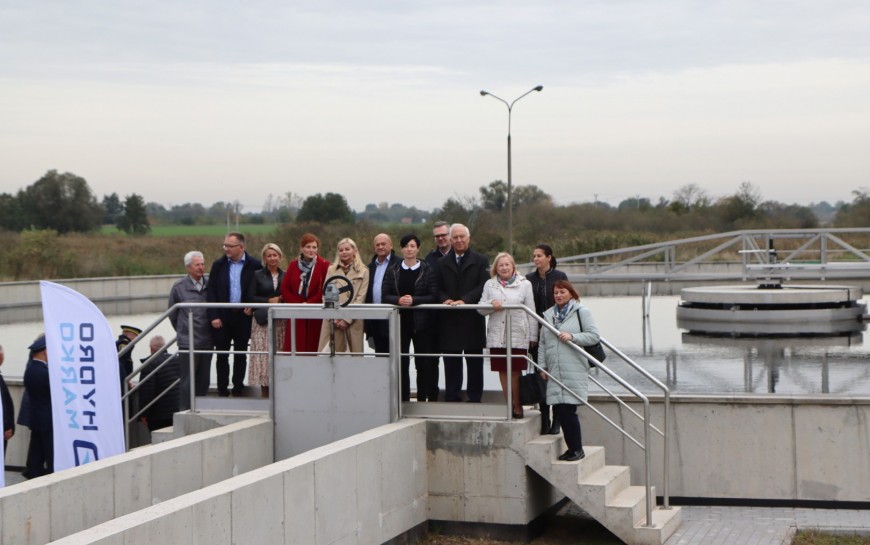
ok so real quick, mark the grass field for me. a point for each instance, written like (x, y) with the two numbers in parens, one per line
(218, 230)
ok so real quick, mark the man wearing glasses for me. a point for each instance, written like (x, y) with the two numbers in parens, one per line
(228, 282)
(441, 233)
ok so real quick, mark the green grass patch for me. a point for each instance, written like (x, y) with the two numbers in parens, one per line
(199, 230)
(817, 537)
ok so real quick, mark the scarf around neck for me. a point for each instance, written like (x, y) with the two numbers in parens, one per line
(507, 282)
(305, 268)
(561, 314)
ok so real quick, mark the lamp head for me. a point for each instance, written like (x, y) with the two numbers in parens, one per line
(538, 88)
(483, 93)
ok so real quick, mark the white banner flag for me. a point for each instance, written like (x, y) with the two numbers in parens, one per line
(84, 375)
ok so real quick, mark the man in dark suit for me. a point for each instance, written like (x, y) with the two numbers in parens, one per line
(378, 331)
(228, 282)
(461, 275)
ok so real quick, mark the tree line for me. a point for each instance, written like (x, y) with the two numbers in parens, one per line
(65, 203)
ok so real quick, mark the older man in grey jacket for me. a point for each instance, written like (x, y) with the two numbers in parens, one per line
(192, 289)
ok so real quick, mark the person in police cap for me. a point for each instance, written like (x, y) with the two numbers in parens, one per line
(125, 362)
(40, 453)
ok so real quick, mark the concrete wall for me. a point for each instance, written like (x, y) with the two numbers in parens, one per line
(57, 505)
(477, 473)
(813, 448)
(21, 301)
(366, 489)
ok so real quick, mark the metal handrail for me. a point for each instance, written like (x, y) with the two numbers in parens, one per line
(646, 419)
(820, 245)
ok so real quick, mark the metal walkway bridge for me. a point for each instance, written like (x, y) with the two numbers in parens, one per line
(756, 254)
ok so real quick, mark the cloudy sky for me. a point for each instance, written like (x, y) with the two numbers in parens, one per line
(379, 100)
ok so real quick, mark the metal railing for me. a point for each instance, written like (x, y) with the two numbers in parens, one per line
(736, 255)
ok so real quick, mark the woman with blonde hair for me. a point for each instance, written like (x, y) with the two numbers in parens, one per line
(265, 288)
(348, 333)
(507, 287)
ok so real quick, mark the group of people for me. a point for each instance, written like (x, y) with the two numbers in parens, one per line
(452, 274)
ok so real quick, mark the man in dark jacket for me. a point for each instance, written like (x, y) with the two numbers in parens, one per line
(460, 277)
(40, 453)
(8, 428)
(378, 331)
(125, 362)
(159, 415)
(229, 280)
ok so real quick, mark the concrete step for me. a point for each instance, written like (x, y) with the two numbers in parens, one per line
(599, 489)
(603, 491)
(665, 523)
(628, 507)
(162, 435)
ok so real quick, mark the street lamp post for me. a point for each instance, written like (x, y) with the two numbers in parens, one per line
(510, 107)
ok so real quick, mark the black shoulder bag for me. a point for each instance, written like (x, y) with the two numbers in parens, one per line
(595, 350)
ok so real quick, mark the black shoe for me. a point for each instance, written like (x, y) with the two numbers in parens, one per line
(224, 393)
(238, 392)
(565, 454)
(555, 429)
(574, 455)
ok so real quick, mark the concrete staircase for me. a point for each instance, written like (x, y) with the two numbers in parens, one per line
(603, 491)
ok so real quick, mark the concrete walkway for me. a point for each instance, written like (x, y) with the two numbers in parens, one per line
(756, 525)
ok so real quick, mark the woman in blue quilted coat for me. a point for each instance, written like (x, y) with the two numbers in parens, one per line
(565, 364)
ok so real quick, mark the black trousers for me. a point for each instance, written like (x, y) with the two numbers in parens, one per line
(453, 375)
(567, 415)
(201, 376)
(236, 332)
(427, 367)
(40, 454)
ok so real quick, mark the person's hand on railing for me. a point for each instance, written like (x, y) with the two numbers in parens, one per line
(248, 311)
(496, 304)
(565, 337)
(216, 323)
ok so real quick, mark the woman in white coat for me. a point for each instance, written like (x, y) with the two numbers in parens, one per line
(565, 364)
(508, 287)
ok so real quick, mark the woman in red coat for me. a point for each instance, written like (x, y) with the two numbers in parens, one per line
(303, 283)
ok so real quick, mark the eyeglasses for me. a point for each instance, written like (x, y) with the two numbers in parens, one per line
(442, 235)
(225, 246)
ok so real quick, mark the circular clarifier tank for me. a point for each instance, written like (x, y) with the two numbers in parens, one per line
(788, 310)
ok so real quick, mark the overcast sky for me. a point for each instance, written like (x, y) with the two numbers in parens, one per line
(379, 100)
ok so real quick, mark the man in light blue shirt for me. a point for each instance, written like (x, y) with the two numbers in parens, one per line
(378, 331)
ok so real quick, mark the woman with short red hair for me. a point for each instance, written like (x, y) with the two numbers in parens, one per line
(303, 283)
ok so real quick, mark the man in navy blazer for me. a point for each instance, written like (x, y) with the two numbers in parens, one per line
(228, 282)
(460, 276)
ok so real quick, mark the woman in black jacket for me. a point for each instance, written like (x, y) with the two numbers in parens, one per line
(413, 283)
(265, 288)
(542, 279)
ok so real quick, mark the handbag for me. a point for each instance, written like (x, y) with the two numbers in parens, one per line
(530, 389)
(261, 315)
(594, 350)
